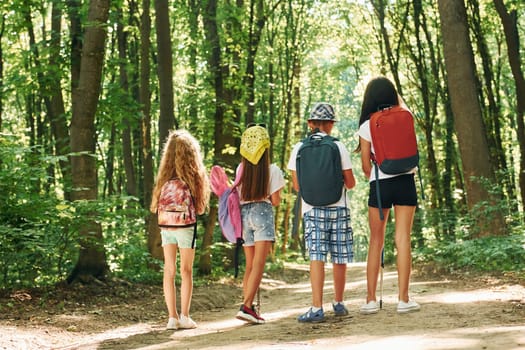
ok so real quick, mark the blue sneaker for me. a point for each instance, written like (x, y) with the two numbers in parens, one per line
(340, 309)
(312, 317)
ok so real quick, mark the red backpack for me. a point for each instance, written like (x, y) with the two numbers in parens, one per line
(395, 144)
(394, 140)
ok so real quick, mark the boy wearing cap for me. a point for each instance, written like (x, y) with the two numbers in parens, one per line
(260, 189)
(327, 228)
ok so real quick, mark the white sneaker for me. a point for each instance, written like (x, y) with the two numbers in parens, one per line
(372, 307)
(185, 322)
(409, 306)
(173, 323)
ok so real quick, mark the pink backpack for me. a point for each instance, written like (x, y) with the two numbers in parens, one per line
(229, 215)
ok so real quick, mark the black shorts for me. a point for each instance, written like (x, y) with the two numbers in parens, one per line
(398, 190)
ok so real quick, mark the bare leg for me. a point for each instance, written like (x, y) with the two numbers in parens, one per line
(170, 270)
(404, 218)
(260, 252)
(187, 256)
(339, 271)
(317, 282)
(249, 253)
(377, 237)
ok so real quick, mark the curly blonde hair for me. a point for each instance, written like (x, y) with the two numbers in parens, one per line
(182, 159)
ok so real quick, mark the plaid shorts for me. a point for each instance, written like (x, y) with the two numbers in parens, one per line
(328, 230)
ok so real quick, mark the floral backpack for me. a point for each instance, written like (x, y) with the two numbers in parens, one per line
(176, 207)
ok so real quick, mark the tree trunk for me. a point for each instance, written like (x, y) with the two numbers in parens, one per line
(75, 32)
(154, 241)
(459, 63)
(193, 23)
(2, 29)
(224, 127)
(165, 70)
(92, 256)
(487, 91)
(127, 149)
(57, 112)
(211, 32)
(510, 27)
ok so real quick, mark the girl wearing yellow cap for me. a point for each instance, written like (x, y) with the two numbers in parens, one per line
(260, 189)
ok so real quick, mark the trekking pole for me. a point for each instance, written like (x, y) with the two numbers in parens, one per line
(381, 281)
(258, 306)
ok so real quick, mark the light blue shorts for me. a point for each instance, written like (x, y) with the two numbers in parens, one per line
(257, 223)
(328, 230)
(183, 237)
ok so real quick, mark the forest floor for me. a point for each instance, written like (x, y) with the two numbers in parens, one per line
(460, 311)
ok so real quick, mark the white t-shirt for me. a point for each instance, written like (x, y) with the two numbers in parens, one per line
(364, 132)
(346, 164)
(276, 183)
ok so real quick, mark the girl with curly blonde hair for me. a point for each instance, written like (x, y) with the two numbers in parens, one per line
(181, 159)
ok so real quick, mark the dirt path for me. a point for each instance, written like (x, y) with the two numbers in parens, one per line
(465, 312)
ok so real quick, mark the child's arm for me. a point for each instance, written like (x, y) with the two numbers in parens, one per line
(366, 162)
(349, 178)
(275, 197)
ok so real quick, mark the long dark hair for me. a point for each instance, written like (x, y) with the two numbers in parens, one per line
(256, 178)
(380, 92)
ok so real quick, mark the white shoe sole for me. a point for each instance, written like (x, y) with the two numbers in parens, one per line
(248, 318)
(407, 310)
(369, 312)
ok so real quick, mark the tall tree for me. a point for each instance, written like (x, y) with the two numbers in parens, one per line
(473, 146)
(57, 110)
(2, 29)
(127, 146)
(510, 27)
(165, 69)
(92, 257)
(154, 244)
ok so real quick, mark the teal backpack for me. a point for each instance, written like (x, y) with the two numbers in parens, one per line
(319, 170)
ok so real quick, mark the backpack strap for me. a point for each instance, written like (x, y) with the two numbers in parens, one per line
(194, 235)
(240, 240)
(194, 239)
(378, 194)
(238, 177)
(420, 182)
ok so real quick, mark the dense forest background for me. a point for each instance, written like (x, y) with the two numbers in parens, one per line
(90, 89)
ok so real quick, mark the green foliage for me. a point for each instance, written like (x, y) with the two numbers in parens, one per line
(38, 231)
(495, 253)
(36, 235)
(125, 240)
(464, 249)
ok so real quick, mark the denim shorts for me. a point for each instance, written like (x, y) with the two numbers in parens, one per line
(328, 230)
(183, 237)
(257, 223)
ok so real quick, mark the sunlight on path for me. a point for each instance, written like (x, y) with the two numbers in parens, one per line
(469, 338)
(455, 315)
